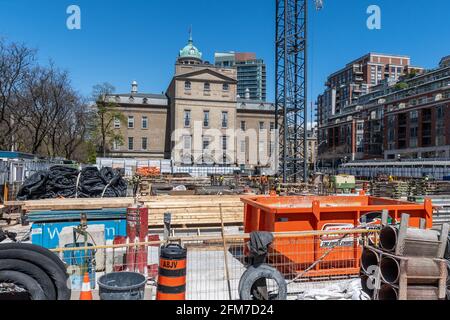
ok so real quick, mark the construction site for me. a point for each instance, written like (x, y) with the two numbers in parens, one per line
(173, 229)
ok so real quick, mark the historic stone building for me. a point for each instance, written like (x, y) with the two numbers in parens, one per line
(198, 121)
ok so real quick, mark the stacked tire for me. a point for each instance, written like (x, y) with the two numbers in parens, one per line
(37, 270)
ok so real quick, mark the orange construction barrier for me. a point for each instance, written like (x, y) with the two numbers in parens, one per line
(86, 293)
(335, 213)
(172, 273)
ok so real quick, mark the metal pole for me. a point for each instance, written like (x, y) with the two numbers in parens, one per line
(227, 271)
(285, 80)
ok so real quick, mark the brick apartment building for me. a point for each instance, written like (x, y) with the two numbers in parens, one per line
(403, 114)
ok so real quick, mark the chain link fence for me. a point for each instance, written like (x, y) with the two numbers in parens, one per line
(215, 265)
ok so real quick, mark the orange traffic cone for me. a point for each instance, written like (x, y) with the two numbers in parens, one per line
(86, 293)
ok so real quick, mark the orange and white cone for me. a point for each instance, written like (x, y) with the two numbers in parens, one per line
(86, 293)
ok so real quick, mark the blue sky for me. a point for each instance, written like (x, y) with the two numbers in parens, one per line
(121, 41)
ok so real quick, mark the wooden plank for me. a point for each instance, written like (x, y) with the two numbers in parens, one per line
(77, 204)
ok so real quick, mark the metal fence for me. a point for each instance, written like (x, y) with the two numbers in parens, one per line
(215, 265)
(16, 171)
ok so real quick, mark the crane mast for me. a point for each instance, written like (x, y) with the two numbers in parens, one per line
(291, 87)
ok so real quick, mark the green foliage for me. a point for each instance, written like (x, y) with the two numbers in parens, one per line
(91, 153)
(401, 86)
(106, 113)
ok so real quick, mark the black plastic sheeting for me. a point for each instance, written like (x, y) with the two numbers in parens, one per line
(259, 246)
(61, 182)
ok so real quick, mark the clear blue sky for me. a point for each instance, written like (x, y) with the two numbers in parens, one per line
(121, 41)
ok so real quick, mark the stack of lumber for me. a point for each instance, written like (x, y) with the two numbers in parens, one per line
(394, 190)
(195, 210)
(176, 181)
(418, 188)
(74, 204)
(185, 210)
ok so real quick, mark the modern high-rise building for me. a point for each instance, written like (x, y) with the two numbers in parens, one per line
(251, 73)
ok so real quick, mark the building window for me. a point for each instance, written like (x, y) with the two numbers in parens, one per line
(272, 126)
(187, 118)
(207, 86)
(206, 119)
(272, 148)
(187, 85)
(130, 122)
(243, 146)
(187, 143)
(224, 143)
(206, 143)
(144, 122)
(131, 144)
(116, 123)
(360, 127)
(226, 87)
(144, 143)
(224, 119)
(261, 126)
(243, 126)
(116, 144)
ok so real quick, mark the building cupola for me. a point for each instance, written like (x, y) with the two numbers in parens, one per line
(190, 54)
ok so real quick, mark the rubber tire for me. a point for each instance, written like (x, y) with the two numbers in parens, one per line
(22, 280)
(251, 269)
(38, 249)
(59, 278)
(33, 271)
(263, 271)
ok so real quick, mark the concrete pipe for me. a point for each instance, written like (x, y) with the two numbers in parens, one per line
(389, 238)
(423, 293)
(423, 271)
(390, 270)
(369, 261)
(387, 292)
(421, 243)
(417, 242)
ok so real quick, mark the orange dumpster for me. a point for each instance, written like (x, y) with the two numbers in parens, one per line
(294, 255)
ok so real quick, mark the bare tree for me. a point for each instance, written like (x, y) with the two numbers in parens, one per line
(15, 62)
(42, 114)
(47, 99)
(106, 112)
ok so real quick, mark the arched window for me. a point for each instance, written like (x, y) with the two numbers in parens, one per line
(187, 85)
(226, 87)
(207, 86)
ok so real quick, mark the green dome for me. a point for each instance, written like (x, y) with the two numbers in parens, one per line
(190, 51)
